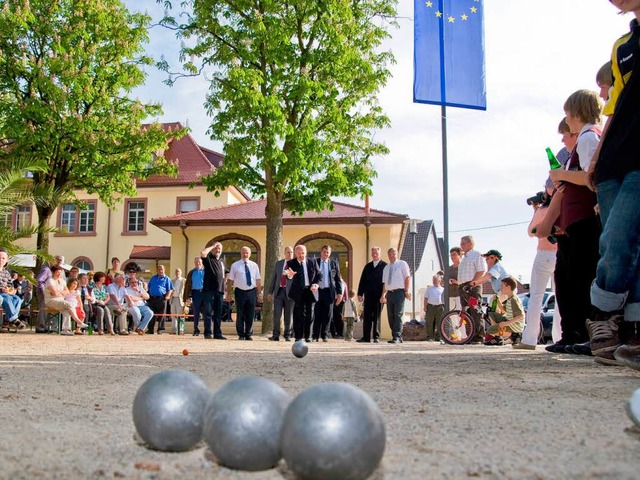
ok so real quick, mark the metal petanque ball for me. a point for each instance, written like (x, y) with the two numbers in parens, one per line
(299, 348)
(633, 407)
(333, 431)
(168, 410)
(242, 423)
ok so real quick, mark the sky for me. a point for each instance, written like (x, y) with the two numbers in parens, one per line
(537, 54)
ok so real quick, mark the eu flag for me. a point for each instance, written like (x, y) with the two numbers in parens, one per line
(448, 62)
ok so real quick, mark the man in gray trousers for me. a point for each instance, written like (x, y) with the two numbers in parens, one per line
(278, 292)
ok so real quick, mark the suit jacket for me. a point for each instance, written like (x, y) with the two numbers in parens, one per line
(297, 282)
(274, 283)
(335, 280)
(370, 285)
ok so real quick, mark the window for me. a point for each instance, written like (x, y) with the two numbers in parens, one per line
(23, 217)
(135, 220)
(5, 219)
(78, 221)
(188, 204)
(68, 218)
(86, 223)
(83, 264)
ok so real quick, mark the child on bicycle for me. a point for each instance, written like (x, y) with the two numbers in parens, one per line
(512, 321)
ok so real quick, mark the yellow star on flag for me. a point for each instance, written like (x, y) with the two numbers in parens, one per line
(429, 4)
(474, 9)
(451, 19)
(464, 16)
(438, 14)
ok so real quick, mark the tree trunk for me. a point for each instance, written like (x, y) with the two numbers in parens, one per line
(273, 212)
(42, 239)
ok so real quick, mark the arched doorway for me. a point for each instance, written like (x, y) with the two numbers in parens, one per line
(231, 245)
(341, 251)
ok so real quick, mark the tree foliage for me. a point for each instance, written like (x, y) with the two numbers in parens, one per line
(293, 97)
(67, 68)
(293, 93)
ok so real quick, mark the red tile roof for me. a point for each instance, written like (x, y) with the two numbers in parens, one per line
(150, 252)
(188, 155)
(253, 212)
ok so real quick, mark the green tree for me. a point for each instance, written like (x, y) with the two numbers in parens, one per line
(67, 68)
(293, 97)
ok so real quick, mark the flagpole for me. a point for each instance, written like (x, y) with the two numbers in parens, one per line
(445, 205)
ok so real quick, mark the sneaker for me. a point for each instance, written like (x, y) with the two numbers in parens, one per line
(628, 354)
(523, 346)
(606, 357)
(67, 333)
(495, 342)
(603, 331)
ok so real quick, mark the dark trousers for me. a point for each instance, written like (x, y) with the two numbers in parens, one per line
(395, 310)
(323, 314)
(576, 263)
(371, 317)
(282, 303)
(476, 316)
(212, 312)
(196, 304)
(337, 323)
(245, 311)
(303, 315)
(158, 306)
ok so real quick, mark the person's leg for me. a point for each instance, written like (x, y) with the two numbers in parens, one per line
(289, 305)
(429, 319)
(541, 271)
(196, 305)
(561, 280)
(42, 324)
(279, 305)
(146, 316)
(207, 310)
(309, 304)
(216, 317)
(240, 313)
(439, 312)
(98, 313)
(368, 316)
(298, 320)
(348, 334)
(136, 316)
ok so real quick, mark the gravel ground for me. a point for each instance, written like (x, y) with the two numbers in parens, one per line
(451, 412)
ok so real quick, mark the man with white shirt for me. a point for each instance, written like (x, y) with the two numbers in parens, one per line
(244, 277)
(329, 292)
(136, 297)
(396, 278)
(305, 276)
(118, 304)
(369, 293)
(471, 269)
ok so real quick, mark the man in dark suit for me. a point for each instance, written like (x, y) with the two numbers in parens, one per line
(370, 288)
(304, 276)
(278, 292)
(329, 292)
(213, 288)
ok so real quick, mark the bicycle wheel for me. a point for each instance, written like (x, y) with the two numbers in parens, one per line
(457, 328)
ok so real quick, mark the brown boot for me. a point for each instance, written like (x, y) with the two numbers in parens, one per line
(628, 354)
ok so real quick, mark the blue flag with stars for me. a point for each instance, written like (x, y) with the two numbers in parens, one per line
(448, 61)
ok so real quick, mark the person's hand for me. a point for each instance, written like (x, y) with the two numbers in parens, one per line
(360, 298)
(557, 175)
(453, 281)
(290, 273)
(338, 299)
(383, 299)
(407, 295)
(270, 297)
(314, 287)
(591, 179)
(473, 283)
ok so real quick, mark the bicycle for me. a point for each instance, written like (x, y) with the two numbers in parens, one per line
(457, 327)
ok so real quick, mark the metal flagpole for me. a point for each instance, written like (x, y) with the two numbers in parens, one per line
(445, 206)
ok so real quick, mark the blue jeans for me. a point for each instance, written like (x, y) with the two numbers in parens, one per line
(11, 305)
(142, 315)
(617, 281)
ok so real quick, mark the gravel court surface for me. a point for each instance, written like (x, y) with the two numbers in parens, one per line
(451, 412)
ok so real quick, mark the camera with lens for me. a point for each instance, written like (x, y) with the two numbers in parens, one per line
(538, 199)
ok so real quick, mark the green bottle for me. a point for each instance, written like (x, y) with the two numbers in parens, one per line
(553, 161)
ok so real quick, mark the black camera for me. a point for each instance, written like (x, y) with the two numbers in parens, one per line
(537, 199)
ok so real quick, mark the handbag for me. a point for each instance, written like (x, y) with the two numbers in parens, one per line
(80, 312)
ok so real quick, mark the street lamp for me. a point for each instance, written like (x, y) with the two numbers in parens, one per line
(413, 231)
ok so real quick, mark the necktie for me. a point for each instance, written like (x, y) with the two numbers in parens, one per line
(247, 274)
(283, 280)
(391, 268)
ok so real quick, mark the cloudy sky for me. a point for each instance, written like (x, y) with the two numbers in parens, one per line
(537, 54)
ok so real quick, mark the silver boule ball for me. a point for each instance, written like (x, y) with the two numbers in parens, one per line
(168, 410)
(633, 407)
(299, 348)
(242, 423)
(333, 431)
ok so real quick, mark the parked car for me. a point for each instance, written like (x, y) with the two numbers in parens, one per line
(546, 314)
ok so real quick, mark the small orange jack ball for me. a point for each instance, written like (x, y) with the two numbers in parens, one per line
(185, 352)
